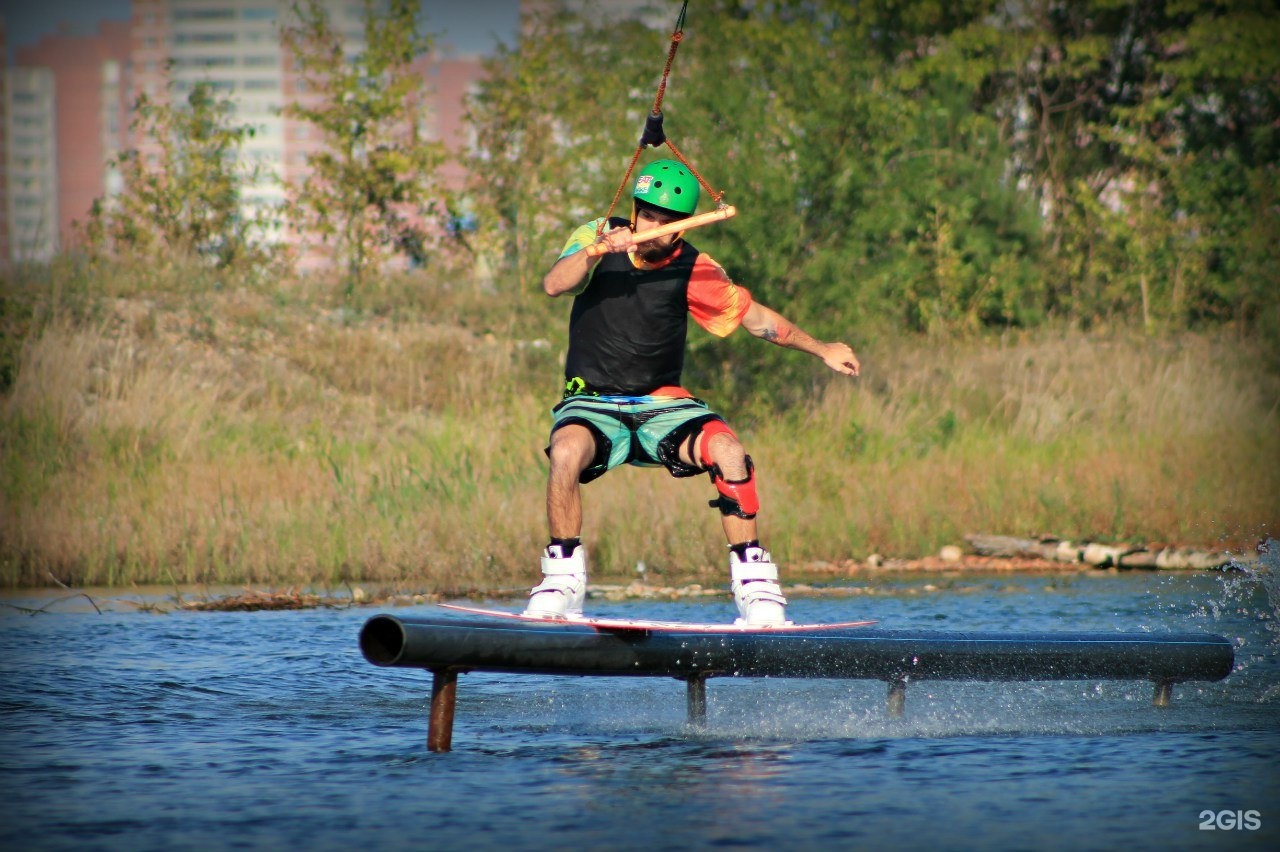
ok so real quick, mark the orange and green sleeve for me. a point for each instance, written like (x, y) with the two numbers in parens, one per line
(716, 303)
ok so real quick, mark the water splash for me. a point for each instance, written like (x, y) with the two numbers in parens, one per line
(1249, 591)
(1268, 575)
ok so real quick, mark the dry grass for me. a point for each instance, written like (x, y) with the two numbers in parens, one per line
(1097, 439)
(273, 436)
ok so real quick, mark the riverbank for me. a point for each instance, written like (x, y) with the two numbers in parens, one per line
(842, 579)
(273, 435)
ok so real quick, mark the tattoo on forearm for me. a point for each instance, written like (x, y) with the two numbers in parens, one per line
(784, 333)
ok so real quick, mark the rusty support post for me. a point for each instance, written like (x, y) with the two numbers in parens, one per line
(897, 697)
(697, 692)
(444, 695)
(1164, 693)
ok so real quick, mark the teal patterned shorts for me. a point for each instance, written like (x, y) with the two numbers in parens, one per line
(645, 431)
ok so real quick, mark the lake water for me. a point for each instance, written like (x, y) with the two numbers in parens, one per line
(268, 730)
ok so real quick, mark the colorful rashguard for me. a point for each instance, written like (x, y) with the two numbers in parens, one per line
(627, 327)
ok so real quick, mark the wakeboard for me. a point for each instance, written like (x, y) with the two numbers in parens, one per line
(639, 624)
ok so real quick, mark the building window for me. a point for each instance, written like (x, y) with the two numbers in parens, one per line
(204, 61)
(203, 14)
(204, 38)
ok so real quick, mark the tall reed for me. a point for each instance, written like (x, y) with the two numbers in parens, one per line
(275, 434)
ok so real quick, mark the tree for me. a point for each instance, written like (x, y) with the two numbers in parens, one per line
(553, 154)
(182, 187)
(929, 165)
(371, 192)
(785, 108)
(881, 188)
(1146, 130)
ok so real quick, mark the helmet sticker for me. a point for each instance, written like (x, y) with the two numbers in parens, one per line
(643, 183)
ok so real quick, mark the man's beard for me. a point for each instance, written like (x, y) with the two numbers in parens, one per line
(652, 252)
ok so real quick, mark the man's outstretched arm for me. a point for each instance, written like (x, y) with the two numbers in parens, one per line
(768, 324)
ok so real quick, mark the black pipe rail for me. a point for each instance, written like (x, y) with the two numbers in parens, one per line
(449, 646)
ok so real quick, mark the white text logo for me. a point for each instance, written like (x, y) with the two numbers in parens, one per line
(1228, 820)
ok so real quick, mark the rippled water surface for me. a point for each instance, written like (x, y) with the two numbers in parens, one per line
(138, 730)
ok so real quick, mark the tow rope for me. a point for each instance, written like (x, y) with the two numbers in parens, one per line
(653, 136)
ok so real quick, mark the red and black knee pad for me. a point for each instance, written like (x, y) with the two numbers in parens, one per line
(737, 497)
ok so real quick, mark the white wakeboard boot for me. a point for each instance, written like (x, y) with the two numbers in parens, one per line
(754, 581)
(563, 586)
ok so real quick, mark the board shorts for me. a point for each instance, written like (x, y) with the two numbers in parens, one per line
(644, 431)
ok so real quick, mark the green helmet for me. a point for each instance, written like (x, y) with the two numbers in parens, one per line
(669, 185)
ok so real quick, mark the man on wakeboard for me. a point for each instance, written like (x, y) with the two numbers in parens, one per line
(623, 402)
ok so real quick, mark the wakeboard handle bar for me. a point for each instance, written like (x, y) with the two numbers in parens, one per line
(717, 215)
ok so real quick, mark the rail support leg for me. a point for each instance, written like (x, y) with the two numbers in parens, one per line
(444, 695)
(1164, 693)
(697, 692)
(897, 697)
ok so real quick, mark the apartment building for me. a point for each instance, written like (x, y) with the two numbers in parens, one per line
(166, 48)
(233, 46)
(31, 165)
(90, 102)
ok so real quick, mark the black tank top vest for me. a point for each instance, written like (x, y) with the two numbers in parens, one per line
(627, 328)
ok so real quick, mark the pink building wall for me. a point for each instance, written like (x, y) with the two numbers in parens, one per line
(77, 63)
